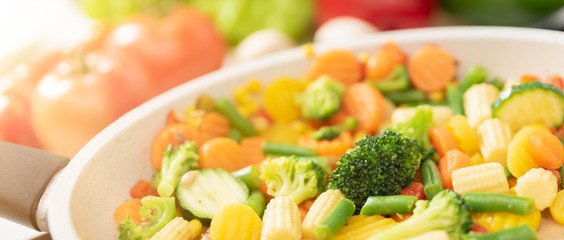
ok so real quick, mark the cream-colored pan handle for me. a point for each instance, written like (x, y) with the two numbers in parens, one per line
(25, 174)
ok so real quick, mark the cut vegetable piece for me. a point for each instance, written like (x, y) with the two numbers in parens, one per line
(236, 221)
(212, 190)
(529, 103)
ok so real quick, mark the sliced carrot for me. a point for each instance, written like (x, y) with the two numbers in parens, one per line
(453, 159)
(222, 153)
(528, 78)
(333, 149)
(381, 63)
(556, 81)
(545, 149)
(431, 68)
(213, 125)
(340, 64)
(172, 117)
(175, 134)
(142, 188)
(442, 140)
(129, 208)
(365, 103)
(252, 150)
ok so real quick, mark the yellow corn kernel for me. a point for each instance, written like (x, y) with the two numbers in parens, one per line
(494, 136)
(308, 50)
(281, 220)
(193, 116)
(538, 184)
(478, 101)
(286, 132)
(236, 221)
(360, 227)
(495, 221)
(519, 161)
(319, 211)
(279, 99)
(464, 135)
(254, 85)
(557, 208)
(179, 229)
(487, 177)
(476, 159)
(436, 96)
(440, 114)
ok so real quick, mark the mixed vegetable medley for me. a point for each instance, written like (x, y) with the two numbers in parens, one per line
(381, 145)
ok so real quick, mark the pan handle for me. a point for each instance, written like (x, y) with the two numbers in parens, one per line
(25, 174)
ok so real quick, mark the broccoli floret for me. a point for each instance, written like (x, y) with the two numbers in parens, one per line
(377, 166)
(446, 211)
(158, 211)
(175, 164)
(417, 127)
(300, 179)
(334, 131)
(322, 98)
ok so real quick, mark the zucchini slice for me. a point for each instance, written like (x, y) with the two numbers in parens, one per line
(530, 103)
(212, 189)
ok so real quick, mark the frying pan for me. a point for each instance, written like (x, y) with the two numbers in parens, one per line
(85, 194)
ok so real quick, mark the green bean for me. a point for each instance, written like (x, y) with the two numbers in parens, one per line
(249, 175)
(398, 80)
(257, 201)
(497, 202)
(561, 171)
(454, 99)
(522, 232)
(225, 107)
(235, 134)
(335, 220)
(431, 179)
(474, 75)
(508, 174)
(320, 161)
(385, 205)
(286, 149)
(406, 96)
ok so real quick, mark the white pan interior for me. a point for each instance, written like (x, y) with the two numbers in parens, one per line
(99, 177)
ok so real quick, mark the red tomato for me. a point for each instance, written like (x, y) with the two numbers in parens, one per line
(385, 14)
(81, 96)
(174, 49)
(414, 189)
(15, 125)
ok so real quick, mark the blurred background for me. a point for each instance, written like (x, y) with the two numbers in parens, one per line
(68, 68)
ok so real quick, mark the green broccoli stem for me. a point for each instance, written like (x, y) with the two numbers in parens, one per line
(249, 175)
(386, 205)
(257, 201)
(523, 232)
(335, 220)
(474, 75)
(454, 99)
(497, 202)
(406, 96)
(176, 163)
(286, 149)
(431, 178)
(398, 80)
(225, 107)
(159, 211)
